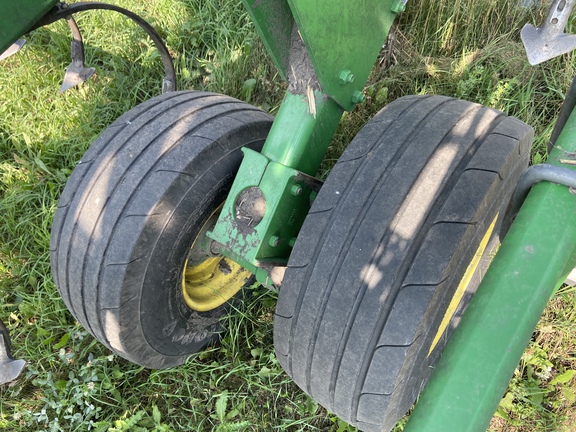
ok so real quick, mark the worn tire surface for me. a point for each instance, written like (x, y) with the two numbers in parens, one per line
(130, 212)
(387, 242)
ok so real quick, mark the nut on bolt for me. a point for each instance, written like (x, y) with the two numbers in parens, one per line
(398, 6)
(346, 77)
(358, 97)
(296, 190)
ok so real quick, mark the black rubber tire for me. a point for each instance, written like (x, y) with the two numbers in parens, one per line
(386, 243)
(130, 212)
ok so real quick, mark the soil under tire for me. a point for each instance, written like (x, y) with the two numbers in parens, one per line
(384, 247)
(130, 212)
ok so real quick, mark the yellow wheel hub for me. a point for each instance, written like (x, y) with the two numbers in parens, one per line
(209, 280)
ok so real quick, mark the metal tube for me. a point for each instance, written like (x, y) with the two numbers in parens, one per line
(537, 173)
(479, 360)
(299, 138)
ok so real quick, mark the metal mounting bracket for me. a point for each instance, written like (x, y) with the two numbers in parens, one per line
(537, 173)
(549, 41)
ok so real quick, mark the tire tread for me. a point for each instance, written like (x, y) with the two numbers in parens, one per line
(121, 189)
(329, 323)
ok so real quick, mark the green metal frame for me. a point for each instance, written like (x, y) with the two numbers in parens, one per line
(340, 41)
(534, 259)
(17, 17)
(283, 173)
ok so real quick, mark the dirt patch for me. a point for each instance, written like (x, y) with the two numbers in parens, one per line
(300, 74)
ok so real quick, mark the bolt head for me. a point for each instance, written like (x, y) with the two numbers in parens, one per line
(398, 6)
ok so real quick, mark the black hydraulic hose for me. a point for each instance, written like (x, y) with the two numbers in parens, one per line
(63, 10)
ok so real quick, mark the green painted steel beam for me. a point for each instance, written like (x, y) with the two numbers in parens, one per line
(274, 23)
(17, 17)
(343, 39)
(344, 36)
(299, 138)
(484, 350)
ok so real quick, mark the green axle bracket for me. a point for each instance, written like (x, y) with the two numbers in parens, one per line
(534, 259)
(325, 49)
(272, 194)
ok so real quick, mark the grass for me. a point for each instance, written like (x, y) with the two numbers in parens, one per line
(463, 48)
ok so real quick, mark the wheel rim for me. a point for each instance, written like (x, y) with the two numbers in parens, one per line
(210, 280)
